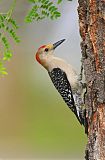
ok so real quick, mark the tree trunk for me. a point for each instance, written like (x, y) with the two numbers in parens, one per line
(92, 30)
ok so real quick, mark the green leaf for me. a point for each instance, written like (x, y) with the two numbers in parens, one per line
(4, 73)
(1, 18)
(7, 55)
(13, 23)
(2, 69)
(32, 14)
(49, 4)
(15, 37)
(59, 1)
(32, 1)
(8, 28)
(2, 25)
(5, 42)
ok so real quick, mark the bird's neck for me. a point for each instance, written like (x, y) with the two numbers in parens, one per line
(46, 61)
(53, 62)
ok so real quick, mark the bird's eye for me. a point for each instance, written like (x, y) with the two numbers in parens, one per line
(46, 49)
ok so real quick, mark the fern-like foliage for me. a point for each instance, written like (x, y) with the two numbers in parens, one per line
(8, 27)
(42, 9)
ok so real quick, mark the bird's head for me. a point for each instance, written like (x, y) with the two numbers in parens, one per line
(45, 52)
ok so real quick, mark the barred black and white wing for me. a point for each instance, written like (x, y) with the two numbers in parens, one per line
(62, 84)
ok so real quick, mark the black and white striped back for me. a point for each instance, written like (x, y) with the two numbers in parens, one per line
(62, 84)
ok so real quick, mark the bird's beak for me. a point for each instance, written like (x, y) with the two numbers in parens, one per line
(55, 45)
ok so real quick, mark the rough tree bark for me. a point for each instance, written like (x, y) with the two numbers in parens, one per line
(92, 30)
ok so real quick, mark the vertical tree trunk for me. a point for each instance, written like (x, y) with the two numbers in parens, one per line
(92, 30)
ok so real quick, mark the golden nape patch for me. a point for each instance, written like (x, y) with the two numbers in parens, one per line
(50, 46)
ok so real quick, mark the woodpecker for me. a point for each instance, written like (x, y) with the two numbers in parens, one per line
(64, 78)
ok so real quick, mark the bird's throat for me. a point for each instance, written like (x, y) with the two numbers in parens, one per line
(41, 61)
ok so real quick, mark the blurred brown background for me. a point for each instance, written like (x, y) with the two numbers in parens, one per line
(34, 120)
